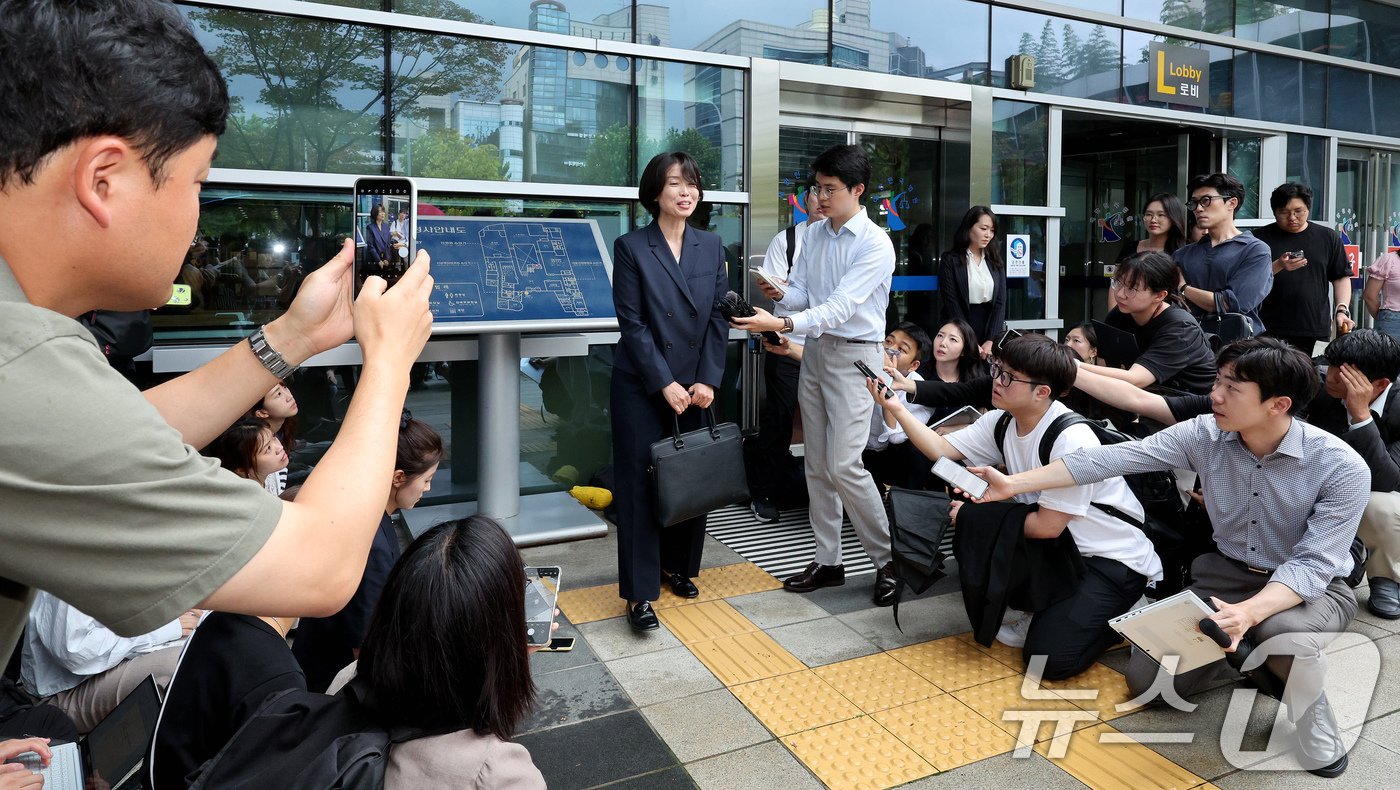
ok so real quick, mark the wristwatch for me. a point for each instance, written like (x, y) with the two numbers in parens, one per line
(787, 324)
(268, 356)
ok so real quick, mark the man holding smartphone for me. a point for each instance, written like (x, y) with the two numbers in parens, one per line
(1307, 257)
(103, 500)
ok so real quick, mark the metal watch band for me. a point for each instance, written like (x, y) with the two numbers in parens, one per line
(268, 356)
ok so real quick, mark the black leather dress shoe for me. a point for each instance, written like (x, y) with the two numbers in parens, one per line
(642, 617)
(816, 576)
(680, 585)
(1385, 598)
(885, 585)
(1320, 748)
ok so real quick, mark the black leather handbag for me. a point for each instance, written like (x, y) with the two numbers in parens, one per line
(696, 472)
(1227, 326)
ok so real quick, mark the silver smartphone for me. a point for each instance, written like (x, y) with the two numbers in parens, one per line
(386, 218)
(957, 475)
(541, 596)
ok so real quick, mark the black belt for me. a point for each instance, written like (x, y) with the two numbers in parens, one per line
(860, 342)
(1244, 566)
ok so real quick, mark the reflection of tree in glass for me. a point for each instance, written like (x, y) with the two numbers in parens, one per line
(321, 103)
(442, 153)
(1068, 58)
(608, 160)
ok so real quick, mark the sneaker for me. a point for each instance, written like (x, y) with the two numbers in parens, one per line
(1014, 626)
(764, 510)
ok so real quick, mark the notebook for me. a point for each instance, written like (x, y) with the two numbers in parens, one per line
(112, 752)
(1116, 347)
(1170, 627)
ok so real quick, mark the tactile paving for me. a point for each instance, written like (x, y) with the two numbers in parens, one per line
(1108, 766)
(877, 682)
(704, 621)
(795, 702)
(951, 663)
(992, 700)
(1010, 656)
(727, 581)
(1110, 684)
(857, 754)
(590, 604)
(745, 658)
(945, 732)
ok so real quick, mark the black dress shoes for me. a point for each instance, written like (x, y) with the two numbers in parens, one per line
(1320, 748)
(816, 576)
(680, 585)
(1385, 598)
(885, 585)
(642, 617)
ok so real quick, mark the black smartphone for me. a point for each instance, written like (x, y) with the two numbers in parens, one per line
(870, 374)
(559, 644)
(386, 214)
(541, 596)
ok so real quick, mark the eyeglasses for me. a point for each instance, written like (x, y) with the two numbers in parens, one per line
(1118, 286)
(827, 192)
(1297, 213)
(1146, 215)
(1204, 200)
(1003, 377)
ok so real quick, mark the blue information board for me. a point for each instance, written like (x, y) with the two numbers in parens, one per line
(498, 274)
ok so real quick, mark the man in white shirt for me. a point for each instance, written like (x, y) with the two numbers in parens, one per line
(1028, 377)
(888, 455)
(838, 294)
(74, 663)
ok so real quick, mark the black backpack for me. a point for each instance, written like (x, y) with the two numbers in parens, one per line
(301, 740)
(1175, 540)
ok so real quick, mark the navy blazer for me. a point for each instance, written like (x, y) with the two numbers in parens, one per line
(671, 330)
(952, 291)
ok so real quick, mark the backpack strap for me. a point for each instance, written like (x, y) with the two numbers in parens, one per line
(1047, 441)
(791, 247)
(999, 432)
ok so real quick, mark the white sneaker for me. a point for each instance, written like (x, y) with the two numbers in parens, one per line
(1014, 626)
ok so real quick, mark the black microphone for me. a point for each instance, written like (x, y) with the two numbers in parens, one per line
(1260, 677)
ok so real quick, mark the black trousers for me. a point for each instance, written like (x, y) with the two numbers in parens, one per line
(773, 469)
(644, 547)
(1073, 633)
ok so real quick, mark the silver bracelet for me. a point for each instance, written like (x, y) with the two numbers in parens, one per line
(269, 356)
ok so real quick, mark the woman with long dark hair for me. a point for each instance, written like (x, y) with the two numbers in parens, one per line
(972, 278)
(1164, 220)
(666, 280)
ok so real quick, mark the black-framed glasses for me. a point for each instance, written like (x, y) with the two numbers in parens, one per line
(1003, 377)
(1204, 200)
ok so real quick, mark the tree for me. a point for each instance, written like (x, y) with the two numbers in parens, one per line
(1098, 55)
(321, 99)
(442, 153)
(1070, 47)
(609, 157)
(1050, 61)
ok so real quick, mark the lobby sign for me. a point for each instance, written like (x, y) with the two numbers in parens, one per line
(1180, 75)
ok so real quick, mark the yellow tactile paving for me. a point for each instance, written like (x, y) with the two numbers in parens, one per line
(1108, 766)
(1010, 656)
(877, 682)
(951, 663)
(857, 754)
(1110, 684)
(945, 732)
(745, 658)
(992, 700)
(704, 621)
(795, 702)
(589, 604)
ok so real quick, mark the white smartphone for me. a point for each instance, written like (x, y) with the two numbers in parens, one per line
(541, 596)
(762, 277)
(957, 475)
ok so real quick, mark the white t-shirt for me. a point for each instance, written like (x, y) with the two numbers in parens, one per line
(1096, 533)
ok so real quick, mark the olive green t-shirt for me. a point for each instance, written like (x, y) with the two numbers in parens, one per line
(101, 502)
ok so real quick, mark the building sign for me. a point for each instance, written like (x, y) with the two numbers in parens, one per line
(1018, 255)
(1180, 75)
(1354, 258)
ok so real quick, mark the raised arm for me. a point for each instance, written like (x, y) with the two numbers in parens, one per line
(920, 435)
(1106, 386)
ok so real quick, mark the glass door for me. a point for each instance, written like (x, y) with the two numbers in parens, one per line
(1368, 209)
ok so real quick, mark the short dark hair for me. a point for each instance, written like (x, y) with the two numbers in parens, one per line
(654, 178)
(1281, 196)
(1374, 353)
(445, 649)
(1224, 183)
(1152, 270)
(419, 446)
(1041, 359)
(922, 343)
(846, 162)
(1278, 368)
(237, 448)
(72, 69)
(963, 235)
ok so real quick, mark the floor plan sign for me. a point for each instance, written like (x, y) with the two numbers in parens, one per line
(517, 274)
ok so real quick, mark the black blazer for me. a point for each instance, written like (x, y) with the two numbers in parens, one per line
(952, 293)
(1378, 444)
(671, 330)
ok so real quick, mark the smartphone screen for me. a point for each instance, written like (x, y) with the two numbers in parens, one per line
(386, 213)
(541, 595)
(955, 474)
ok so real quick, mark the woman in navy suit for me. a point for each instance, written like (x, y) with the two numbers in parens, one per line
(666, 279)
(972, 278)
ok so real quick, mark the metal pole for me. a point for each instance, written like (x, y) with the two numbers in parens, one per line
(498, 369)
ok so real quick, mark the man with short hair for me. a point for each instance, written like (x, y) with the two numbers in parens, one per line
(837, 297)
(1028, 378)
(103, 500)
(1284, 499)
(1227, 271)
(1306, 257)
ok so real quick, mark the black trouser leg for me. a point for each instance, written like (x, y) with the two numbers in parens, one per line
(774, 445)
(1073, 633)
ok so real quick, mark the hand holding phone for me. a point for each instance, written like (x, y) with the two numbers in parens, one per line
(880, 384)
(954, 473)
(777, 287)
(541, 596)
(384, 244)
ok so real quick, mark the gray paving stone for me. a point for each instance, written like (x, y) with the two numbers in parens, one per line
(614, 638)
(543, 663)
(772, 608)
(1384, 731)
(852, 596)
(717, 554)
(922, 619)
(598, 752)
(582, 563)
(1001, 771)
(573, 695)
(1370, 766)
(1203, 756)
(661, 676)
(704, 725)
(820, 642)
(762, 767)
